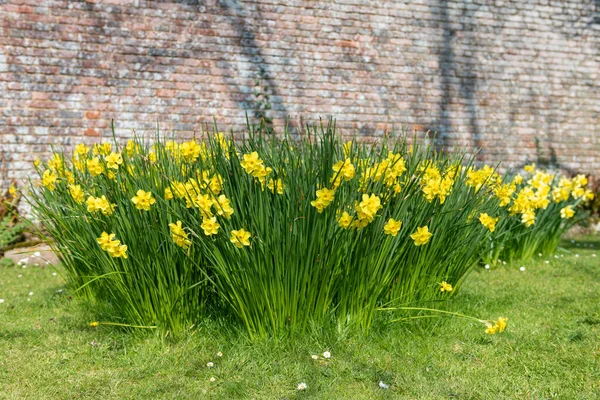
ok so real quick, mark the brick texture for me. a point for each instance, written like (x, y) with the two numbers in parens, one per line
(500, 75)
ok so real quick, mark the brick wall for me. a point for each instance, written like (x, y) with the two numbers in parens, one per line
(482, 73)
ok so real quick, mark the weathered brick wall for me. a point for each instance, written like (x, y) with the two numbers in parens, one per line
(483, 73)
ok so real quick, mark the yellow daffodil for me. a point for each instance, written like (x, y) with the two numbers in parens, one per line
(210, 226)
(567, 212)
(49, 179)
(276, 185)
(488, 222)
(445, 287)
(77, 194)
(368, 207)
(392, 227)
(240, 238)
(530, 168)
(113, 247)
(81, 150)
(143, 200)
(179, 236)
(421, 236)
(105, 240)
(102, 149)
(223, 206)
(101, 204)
(251, 162)
(528, 218)
(324, 198)
(344, 220)
(343, 170)
(113, 160)
(94, 166)
(498, 326)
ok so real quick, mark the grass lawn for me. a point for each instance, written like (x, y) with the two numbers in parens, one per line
(551, 348)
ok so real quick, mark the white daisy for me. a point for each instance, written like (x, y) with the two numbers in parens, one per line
(302, 386)
(522, 269)
(210, 364)
(327, 354)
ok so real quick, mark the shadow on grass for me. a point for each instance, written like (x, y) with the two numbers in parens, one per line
(589, 242)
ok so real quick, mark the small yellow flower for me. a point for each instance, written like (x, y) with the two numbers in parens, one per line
(567, 212)
(131, 148)
(368, 207)
(324, 198)
(168, 194)
(392, 227)
(240, 238)
(94, 324)
(251, 162)
(81, 150)
(488, 222)
(223, 206)
(498, 327)
(118, 251)
(77, 193)
(210, 226)
(347, 148)
(113, 247)
(113, 160)
(345, 220)
(94, 166)
(49, 179)
(106, 240)
(343, 170)
(37, 162)
(530, 167)
(205, 203)
(518, 179)
(445, 287)
(143, 200)
(100, 204)
(528, 218)
(179, 236)
(276, 185)
(12, 190)
(421, 236)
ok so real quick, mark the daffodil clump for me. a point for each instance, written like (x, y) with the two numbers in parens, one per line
(273, 232)
(536, 208)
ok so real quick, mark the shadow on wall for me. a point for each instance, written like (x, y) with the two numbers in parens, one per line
(254, 55)
(465, 74)
(256, 104)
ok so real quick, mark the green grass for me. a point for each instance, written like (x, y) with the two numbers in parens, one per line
(551, 348)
